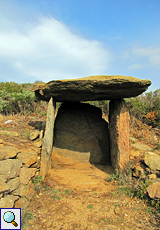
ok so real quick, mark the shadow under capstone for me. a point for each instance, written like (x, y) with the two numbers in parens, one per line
(81, 135)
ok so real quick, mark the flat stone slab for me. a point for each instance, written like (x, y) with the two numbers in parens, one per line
(91, 88)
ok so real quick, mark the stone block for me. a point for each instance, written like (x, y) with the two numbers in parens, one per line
(48, 139)
(119, 133)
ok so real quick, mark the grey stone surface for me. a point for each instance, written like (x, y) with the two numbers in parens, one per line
(79, 127)
(119, 133)
(92, 88)
(48, 139)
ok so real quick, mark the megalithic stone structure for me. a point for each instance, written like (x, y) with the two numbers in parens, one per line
(100, 87)
(48, 139)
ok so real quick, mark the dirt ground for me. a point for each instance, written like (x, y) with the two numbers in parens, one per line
(77, 196)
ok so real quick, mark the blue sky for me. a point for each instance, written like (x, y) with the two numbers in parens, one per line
(64, 39)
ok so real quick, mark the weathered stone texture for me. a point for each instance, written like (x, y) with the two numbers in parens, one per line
(79, 127)
(119, 133)
(26, 174)
(152, 160)
(154, 190)
(10, 168)
(13, 183)
(8, 201)
(48, 139)
(28, 158)
(92, 88)
(8, 152)
(66, 156)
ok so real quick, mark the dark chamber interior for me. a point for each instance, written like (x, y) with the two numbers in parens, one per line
(80, 129)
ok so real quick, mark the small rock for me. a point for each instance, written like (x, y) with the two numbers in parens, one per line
(38, 144)
(152, 176)
(152, 160)
(3, 178)
(13, 183)
(28, 158)
(2, 142)
(25, 190)
(41, 135)
(22, 203)
(3, 187)
(26, 174)
(139, 172)
(8, 152)
(8, 201)
(134, 153)
(141, 147)
(154, 190)
(9, 133)
(7, 122)
(10, 168)
(34, 135)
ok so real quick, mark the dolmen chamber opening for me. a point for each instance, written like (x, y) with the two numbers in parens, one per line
(78, 133)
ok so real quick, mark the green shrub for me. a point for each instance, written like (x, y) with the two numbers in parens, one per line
(146, 107)
(17, 98)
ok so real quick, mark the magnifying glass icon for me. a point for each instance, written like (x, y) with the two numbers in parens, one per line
(9, 217)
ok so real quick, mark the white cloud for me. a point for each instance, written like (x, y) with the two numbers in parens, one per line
(50, 50)
(151, 52)
(135, 66)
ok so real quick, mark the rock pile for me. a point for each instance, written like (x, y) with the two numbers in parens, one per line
(17, 168)
(149, 167)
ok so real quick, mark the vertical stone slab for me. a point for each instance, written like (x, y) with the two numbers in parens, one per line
(119, 133)
(48, 139)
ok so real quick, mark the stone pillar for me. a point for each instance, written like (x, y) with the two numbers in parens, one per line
(119, 133)
(48, 139)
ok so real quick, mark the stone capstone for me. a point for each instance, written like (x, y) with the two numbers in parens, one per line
(92, 88)
(80, 129)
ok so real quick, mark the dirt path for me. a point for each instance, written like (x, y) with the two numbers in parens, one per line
(78, 197)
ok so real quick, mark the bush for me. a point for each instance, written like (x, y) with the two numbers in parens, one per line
(17, 98)
(146, 108)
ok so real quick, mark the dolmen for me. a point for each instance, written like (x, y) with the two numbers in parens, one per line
(79, 132)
